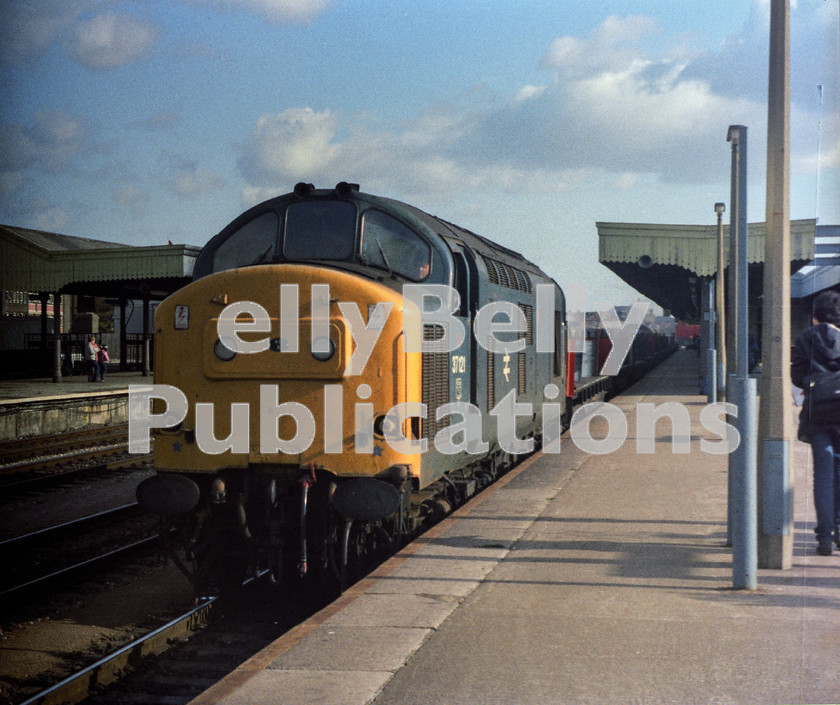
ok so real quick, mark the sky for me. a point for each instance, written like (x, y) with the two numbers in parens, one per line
(523, 120)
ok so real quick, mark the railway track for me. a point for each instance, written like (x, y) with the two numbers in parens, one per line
(59, 554)
(25, 481)
(109, 669)
(201, 646)
(21, 450)
(34, 463)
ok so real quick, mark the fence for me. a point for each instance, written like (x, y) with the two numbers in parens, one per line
(73, 352)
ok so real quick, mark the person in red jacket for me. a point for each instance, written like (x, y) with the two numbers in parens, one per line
(103, 360)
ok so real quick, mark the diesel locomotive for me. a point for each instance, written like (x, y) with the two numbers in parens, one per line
(351, 367)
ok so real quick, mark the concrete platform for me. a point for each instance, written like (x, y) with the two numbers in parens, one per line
(579, 578)
(41, 407)
(76, 385)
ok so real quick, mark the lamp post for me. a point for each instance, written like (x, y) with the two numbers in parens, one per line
(721, 310)
(742, 388)
(775, 482)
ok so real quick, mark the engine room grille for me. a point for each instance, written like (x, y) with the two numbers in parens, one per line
(435, 383)
(529, 320)
(507, 276)
(491, 380)
(521, 389)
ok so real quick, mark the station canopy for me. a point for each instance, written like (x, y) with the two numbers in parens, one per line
(37, 261)
(668, 263)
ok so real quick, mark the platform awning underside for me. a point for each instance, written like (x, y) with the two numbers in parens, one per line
(667, 263)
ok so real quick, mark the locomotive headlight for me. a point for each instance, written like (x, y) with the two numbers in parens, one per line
(384, 427)
(323, 349)
(223, 352)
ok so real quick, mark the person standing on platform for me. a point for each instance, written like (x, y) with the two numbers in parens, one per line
(817, 349)
(103, 360)
(92, 359)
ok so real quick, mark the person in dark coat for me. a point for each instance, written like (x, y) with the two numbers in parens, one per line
(817, 349)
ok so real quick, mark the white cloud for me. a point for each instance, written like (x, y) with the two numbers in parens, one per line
(295, 144)
(615, 113)
(109, 40)
(528, 92)
(29, 28)
(612, 47)
(278, 11)
(300, 144)
(186, 178)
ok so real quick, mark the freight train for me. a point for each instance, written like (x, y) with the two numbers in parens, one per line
(350, 368)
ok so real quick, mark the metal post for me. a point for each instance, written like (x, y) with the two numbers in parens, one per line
(738, 136)
(711, 352)
(742, 390)
(123, 336)
(732, 283)
(720, 308)
(56, 337)
(744, 521)
(146, 334)
(775, 547)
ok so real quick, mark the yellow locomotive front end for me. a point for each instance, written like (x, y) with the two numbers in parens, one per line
(275, 389)
(287, 391)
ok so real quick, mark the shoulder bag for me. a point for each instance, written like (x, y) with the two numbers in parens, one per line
(823, 390)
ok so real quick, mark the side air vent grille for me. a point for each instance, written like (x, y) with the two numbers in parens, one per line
(491, 380)
(504, 275)
(435, 383)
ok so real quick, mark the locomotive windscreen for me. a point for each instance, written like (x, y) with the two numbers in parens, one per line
(253, 243)
(388, 244)
(322, 230)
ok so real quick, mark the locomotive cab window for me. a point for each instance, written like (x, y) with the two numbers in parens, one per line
(254, 243)
(320, 230)
(392, 246)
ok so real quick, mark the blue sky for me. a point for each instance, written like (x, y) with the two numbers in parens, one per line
(525, 121)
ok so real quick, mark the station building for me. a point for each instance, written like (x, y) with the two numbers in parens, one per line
(94, 287)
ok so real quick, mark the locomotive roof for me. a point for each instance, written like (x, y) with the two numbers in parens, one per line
(473, 241)
(430, 223)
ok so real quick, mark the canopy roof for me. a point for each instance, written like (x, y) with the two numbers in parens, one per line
(667, 263)
(33, 260)
(692, 247)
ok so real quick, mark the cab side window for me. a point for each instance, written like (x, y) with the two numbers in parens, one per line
(390, 245)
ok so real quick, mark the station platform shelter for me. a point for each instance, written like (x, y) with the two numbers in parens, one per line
(676, 266)
(596, 575)
(48, 284)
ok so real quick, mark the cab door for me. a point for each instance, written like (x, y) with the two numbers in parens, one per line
(463, 363)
